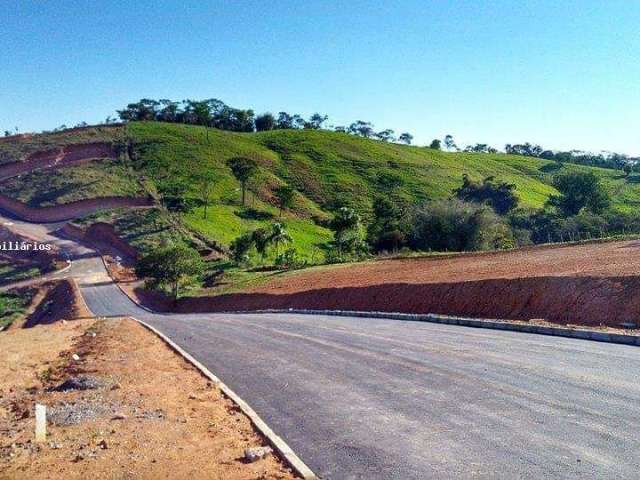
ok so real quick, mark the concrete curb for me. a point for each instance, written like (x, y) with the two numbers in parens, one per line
(608, 337)
(276, 441)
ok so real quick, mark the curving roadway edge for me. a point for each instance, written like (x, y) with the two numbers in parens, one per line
(398, 399)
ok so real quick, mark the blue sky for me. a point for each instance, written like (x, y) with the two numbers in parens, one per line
(560, 73)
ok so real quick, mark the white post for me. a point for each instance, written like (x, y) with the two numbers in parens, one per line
(41, 423)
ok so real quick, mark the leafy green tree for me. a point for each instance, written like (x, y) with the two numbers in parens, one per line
(316, 121)
(579, 190)
(386, 135)
(405, 138)
(284, 196)
(262, 239)
(449, 143)
(499, 195)
(243, 169)
(289, 259)
(265, 122)
(385, 231)
(145, 109)
(627, 169)
(171, 268)
(346, 230)
(436, 144)
(361, 128)
(526, 149)
(454, 225)
(241, 246)
(285, 121)
(205, 190)
(480, 148)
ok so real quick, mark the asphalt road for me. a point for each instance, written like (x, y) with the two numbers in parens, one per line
(388, 399)
(361, 398)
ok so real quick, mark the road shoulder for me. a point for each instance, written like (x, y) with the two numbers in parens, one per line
(151, 415)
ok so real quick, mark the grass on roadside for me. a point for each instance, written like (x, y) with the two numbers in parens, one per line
(13, 306)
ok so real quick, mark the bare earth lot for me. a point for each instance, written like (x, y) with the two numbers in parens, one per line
(153, 415)
(588, 284)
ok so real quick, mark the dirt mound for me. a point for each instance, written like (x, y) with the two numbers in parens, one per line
(58, 157)
(69, 211)
(588, 284)
(61, 301)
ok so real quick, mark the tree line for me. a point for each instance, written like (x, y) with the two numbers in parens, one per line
(216, 114)
(612, 160)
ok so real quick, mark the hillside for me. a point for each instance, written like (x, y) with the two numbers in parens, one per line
(327, 168)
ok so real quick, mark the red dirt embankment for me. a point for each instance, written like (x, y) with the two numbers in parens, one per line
(102, 237)
(589, 284)
(52, 302)
(69, 211)
(59, 157)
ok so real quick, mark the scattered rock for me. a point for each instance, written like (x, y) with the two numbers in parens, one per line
(74, 413)
(253, 454)
(75, 357)
(157, 414)
(81, 382)
(115, 386)
(103, 444)
(119, 416)
(55, 446)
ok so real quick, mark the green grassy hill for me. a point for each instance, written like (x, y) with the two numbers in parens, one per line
(327, 169)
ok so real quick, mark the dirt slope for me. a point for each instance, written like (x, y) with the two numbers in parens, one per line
(589, 284)
(68, 211)
(58, 157)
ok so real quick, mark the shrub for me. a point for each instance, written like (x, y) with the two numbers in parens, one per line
(453, 225)
(290, 260)
(240, 248)
(579, 190)
(500, 196)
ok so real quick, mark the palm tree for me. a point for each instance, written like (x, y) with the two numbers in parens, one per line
(279, 235)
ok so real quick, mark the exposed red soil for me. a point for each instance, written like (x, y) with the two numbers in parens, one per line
(589, 284)
(103, 237)
(69, 211)
(54, 301)
(58, 157)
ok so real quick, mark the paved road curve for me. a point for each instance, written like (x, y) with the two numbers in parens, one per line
(388, 399)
